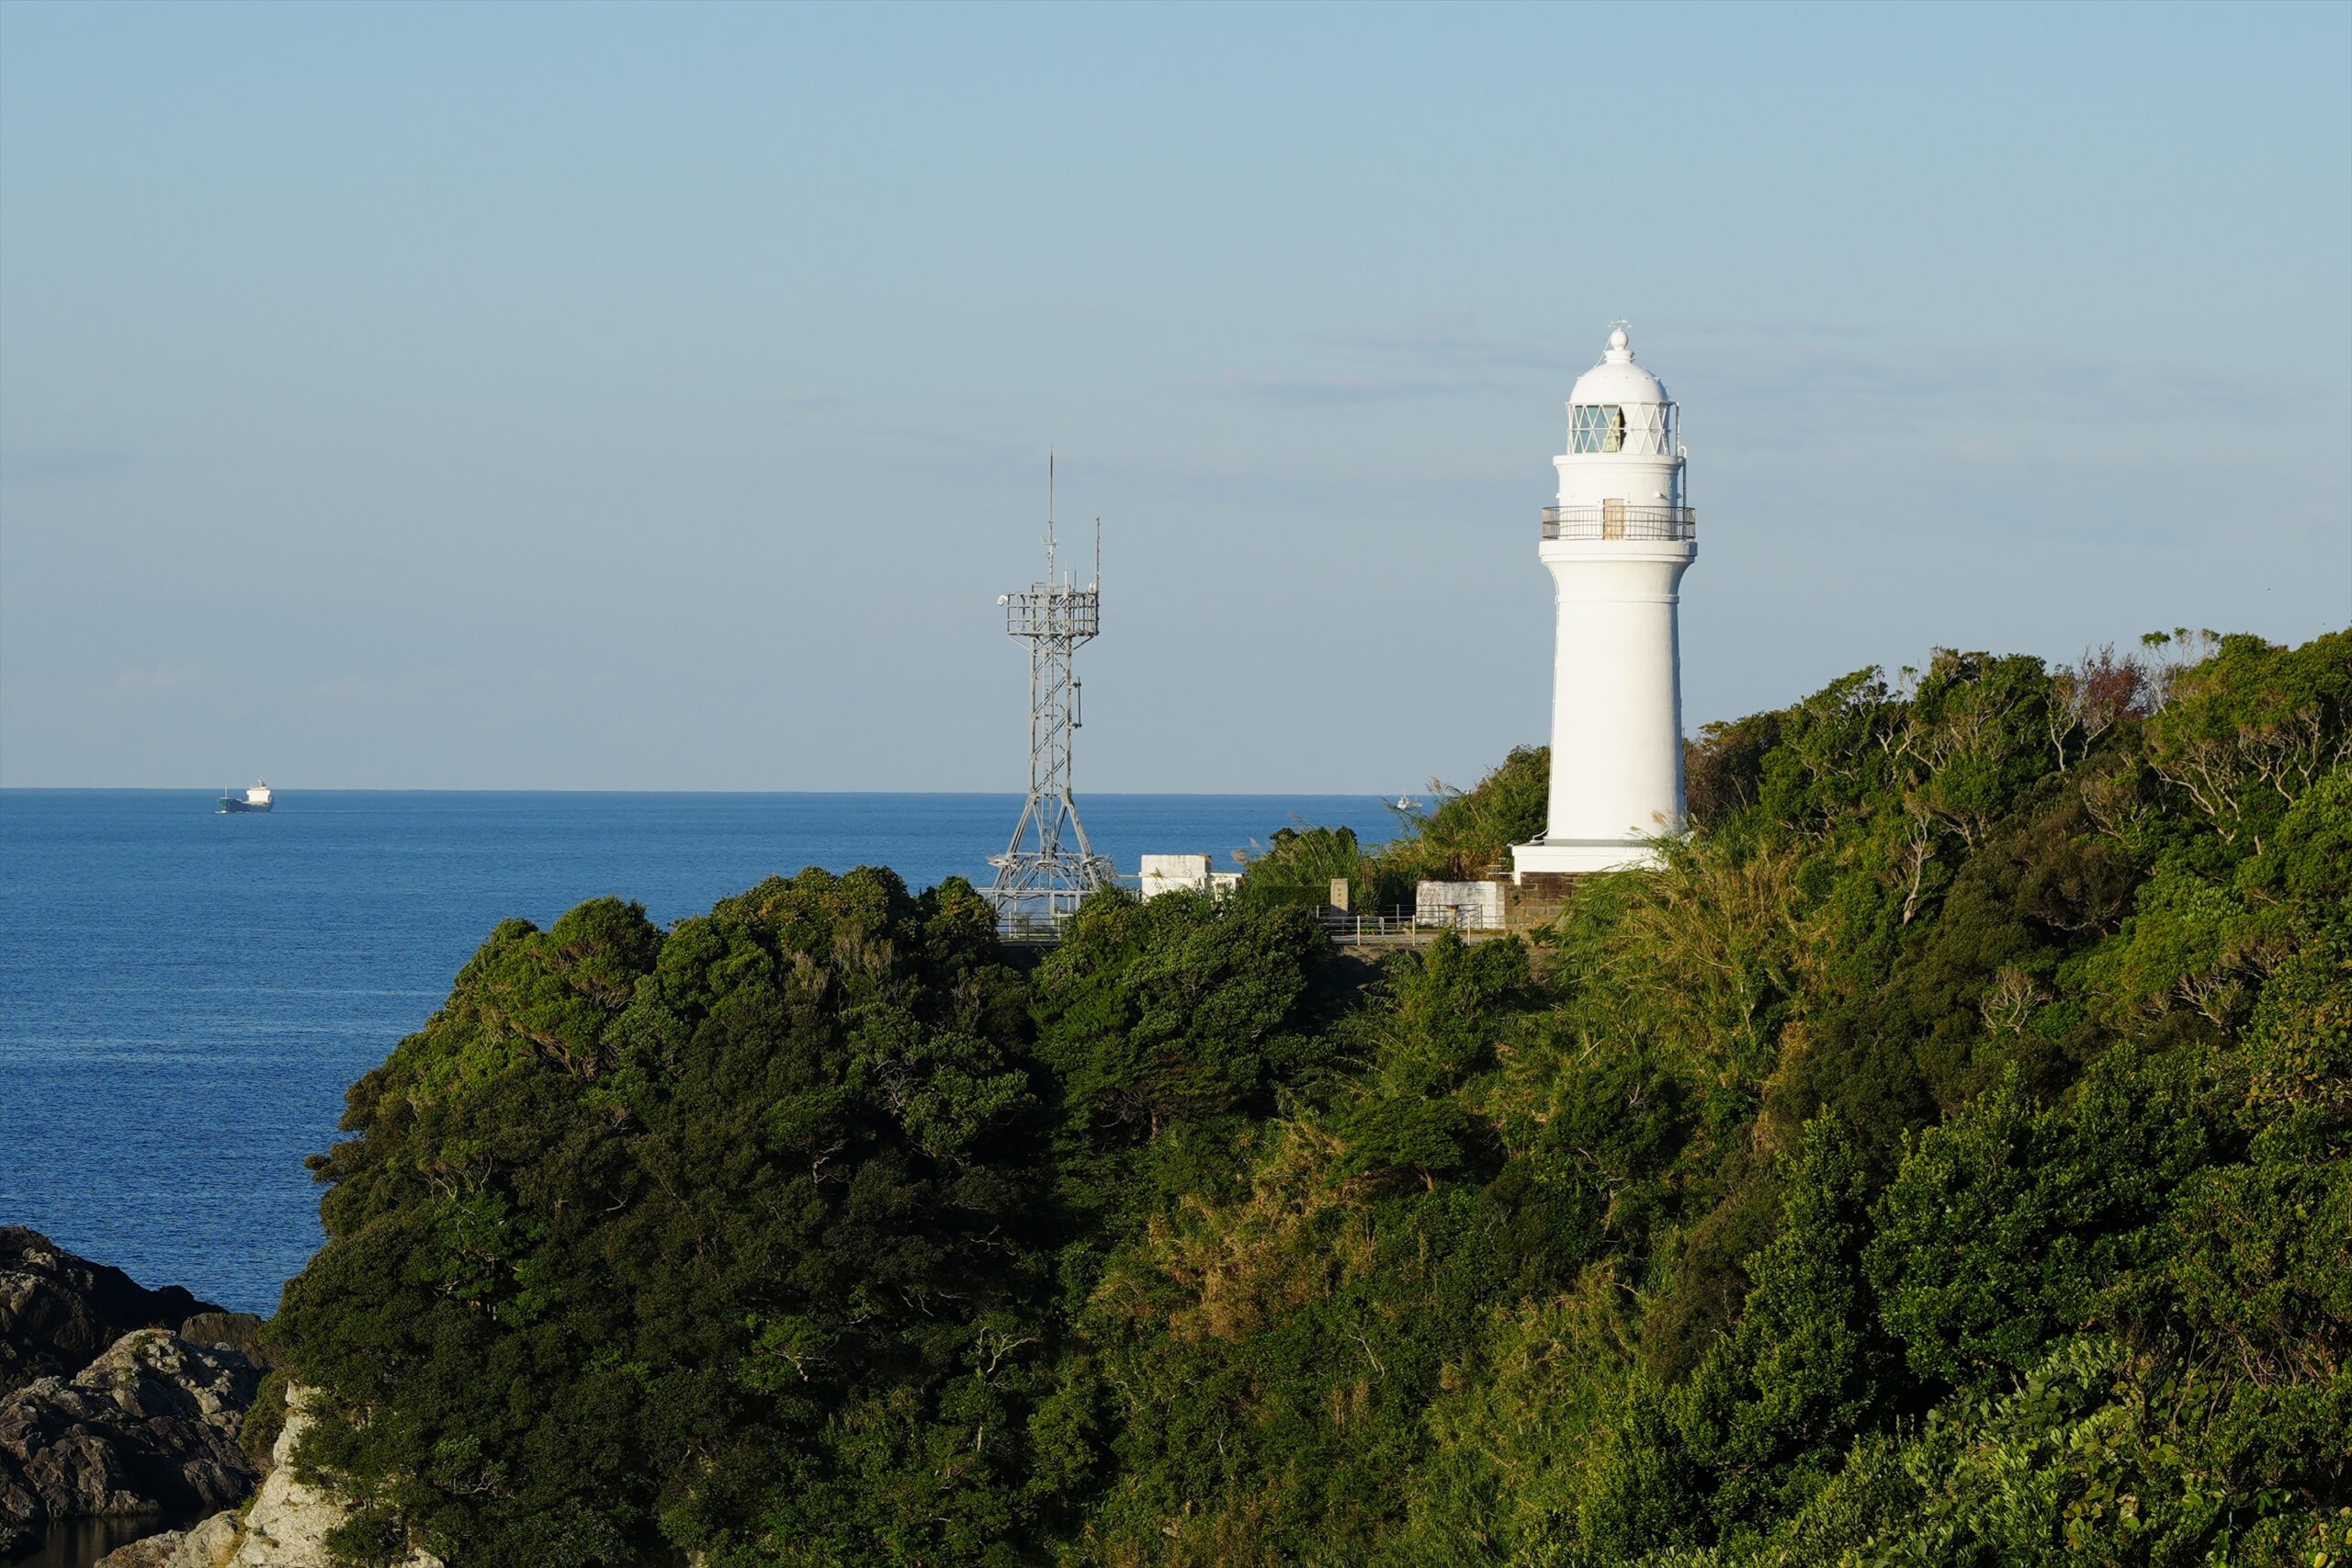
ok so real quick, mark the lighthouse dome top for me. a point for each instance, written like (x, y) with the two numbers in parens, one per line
(1617, 380)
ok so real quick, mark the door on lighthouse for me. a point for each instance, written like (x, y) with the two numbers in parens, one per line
(1613, 519)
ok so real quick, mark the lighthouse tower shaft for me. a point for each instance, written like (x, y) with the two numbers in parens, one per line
(1616, 543)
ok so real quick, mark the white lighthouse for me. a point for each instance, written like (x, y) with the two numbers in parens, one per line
(1617, 544)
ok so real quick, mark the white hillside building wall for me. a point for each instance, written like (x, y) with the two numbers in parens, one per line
(1173, 874)
(1616, 544)
(1184, 874)
(1467, 906)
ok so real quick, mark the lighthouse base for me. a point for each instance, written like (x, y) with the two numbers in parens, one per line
(1576, 857)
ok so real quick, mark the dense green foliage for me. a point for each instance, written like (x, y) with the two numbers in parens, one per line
(1299, 866)
(1465, 834)
(1942, 1160)
(1460, 836)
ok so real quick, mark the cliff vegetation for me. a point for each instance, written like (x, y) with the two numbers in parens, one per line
(1942, 1160)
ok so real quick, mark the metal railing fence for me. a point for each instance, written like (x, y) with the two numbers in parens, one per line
(1345, 927)
(1620, 523)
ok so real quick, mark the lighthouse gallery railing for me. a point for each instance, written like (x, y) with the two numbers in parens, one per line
(1612, 522)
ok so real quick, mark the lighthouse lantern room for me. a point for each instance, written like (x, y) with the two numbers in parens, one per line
(1617, 544)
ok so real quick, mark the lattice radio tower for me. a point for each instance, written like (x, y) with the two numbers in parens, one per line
(1049, 866)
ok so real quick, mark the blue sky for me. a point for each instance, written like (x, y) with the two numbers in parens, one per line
(633, 396)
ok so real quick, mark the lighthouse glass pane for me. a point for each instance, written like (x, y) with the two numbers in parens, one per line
(1645, 429)
(1596, 427)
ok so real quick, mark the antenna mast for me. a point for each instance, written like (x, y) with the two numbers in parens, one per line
(1049, 867)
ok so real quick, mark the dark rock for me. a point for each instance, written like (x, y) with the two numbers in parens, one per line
(58, 1312)
(238, 1331)
(149, 1426)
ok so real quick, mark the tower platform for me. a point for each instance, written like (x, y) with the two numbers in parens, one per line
(1577, 857)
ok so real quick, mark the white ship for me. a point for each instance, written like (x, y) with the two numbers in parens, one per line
(254, 799)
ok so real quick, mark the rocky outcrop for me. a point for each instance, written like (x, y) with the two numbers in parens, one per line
(238, 1331)
(149, 1427)
(58, 1312)
(286, 1528)
(117, 1401)
(207, 1545)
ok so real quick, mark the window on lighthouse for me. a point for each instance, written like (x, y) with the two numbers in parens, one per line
(1596, 427)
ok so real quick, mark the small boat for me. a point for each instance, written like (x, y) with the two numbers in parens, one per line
(254, 799)
(1405, 803)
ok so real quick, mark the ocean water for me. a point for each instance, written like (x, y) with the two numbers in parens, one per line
(184, 996)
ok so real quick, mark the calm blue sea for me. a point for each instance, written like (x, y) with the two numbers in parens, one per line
(184, 996)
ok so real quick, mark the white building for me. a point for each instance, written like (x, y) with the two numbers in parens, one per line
(1465, 905)
(1617, 544)
(1184, 874)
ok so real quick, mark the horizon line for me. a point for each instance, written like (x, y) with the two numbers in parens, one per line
(590, 789)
